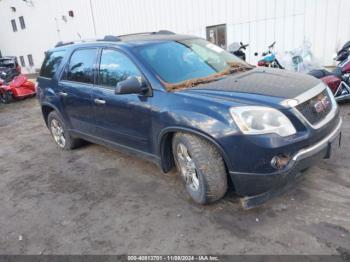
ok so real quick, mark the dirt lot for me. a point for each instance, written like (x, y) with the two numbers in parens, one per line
(97, 201)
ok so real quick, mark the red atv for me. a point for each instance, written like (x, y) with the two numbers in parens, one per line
(18, 88)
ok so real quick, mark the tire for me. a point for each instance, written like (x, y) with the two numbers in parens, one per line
(278, 65)
(6, 97)
(55, 122)
(209, 181)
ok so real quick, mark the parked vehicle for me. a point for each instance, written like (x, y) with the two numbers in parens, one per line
(300, 59)
(238, 49)
(9, 68)
(181, 101)
(19, 88)
(269, 58)
(339, 79)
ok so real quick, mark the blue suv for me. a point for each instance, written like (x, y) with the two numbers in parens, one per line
(181, 101)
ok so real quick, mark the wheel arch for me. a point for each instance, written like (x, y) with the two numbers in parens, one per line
(46, 109)
(165, 146)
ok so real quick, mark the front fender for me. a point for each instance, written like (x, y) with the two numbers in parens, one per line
(213, 123)
(165, 147)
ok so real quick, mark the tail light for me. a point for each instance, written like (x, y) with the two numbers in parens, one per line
(261, 63)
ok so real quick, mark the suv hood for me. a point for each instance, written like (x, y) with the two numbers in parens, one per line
(264, 85)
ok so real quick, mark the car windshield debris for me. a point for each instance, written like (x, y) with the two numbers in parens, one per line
(232, 68)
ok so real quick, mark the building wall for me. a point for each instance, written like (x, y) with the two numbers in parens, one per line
(258, 22)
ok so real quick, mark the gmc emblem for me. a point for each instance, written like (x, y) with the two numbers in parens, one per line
(322, 104)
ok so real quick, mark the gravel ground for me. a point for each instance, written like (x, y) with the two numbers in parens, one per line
(94, 200)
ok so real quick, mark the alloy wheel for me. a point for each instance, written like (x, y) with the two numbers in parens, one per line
(58, 133)
(187, 167)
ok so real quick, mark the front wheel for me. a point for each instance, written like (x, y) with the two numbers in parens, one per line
(277, 64)
(201, 167)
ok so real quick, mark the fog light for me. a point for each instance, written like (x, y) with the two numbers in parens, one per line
(280, 161)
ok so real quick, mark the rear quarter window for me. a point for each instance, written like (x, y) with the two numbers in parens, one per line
(51, 63)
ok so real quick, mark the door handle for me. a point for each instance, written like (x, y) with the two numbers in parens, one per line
(62, 93)
(99, 101)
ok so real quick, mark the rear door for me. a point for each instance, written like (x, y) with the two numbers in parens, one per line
(75, 89)
(122, 119)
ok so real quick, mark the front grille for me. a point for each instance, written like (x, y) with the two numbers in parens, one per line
(317, 108)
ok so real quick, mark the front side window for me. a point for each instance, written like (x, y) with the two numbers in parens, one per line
(51, 63)
(178, 61)
(115, 67)
(80, 68)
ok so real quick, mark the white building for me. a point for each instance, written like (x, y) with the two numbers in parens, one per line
(30, 27)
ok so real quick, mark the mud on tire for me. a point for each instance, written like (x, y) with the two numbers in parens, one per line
(209, 165)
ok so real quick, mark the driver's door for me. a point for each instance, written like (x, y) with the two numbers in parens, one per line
(123, 119)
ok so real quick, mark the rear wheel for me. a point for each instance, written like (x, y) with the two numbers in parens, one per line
(6, 97)
(60, 133)
(201, 168)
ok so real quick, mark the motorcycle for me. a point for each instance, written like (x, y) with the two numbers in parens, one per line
(238, 49)
(337, 80)
(18, 88)
(300, 59)
(269, 58)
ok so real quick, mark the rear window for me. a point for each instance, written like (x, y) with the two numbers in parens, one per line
(8, 63)
(51, 63)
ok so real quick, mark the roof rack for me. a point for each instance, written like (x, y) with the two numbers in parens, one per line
(164, 32)
(110, 38)
(160, 32)
(113, 38)
(106, 38)
(61, 43)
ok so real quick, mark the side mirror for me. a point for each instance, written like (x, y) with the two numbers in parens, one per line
(131, 85)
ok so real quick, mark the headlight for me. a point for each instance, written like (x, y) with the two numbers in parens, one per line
(254, 120)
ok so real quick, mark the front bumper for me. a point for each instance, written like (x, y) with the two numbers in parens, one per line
(256, 184)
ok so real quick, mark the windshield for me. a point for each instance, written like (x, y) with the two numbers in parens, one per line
(178, 61)
(7, 63)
